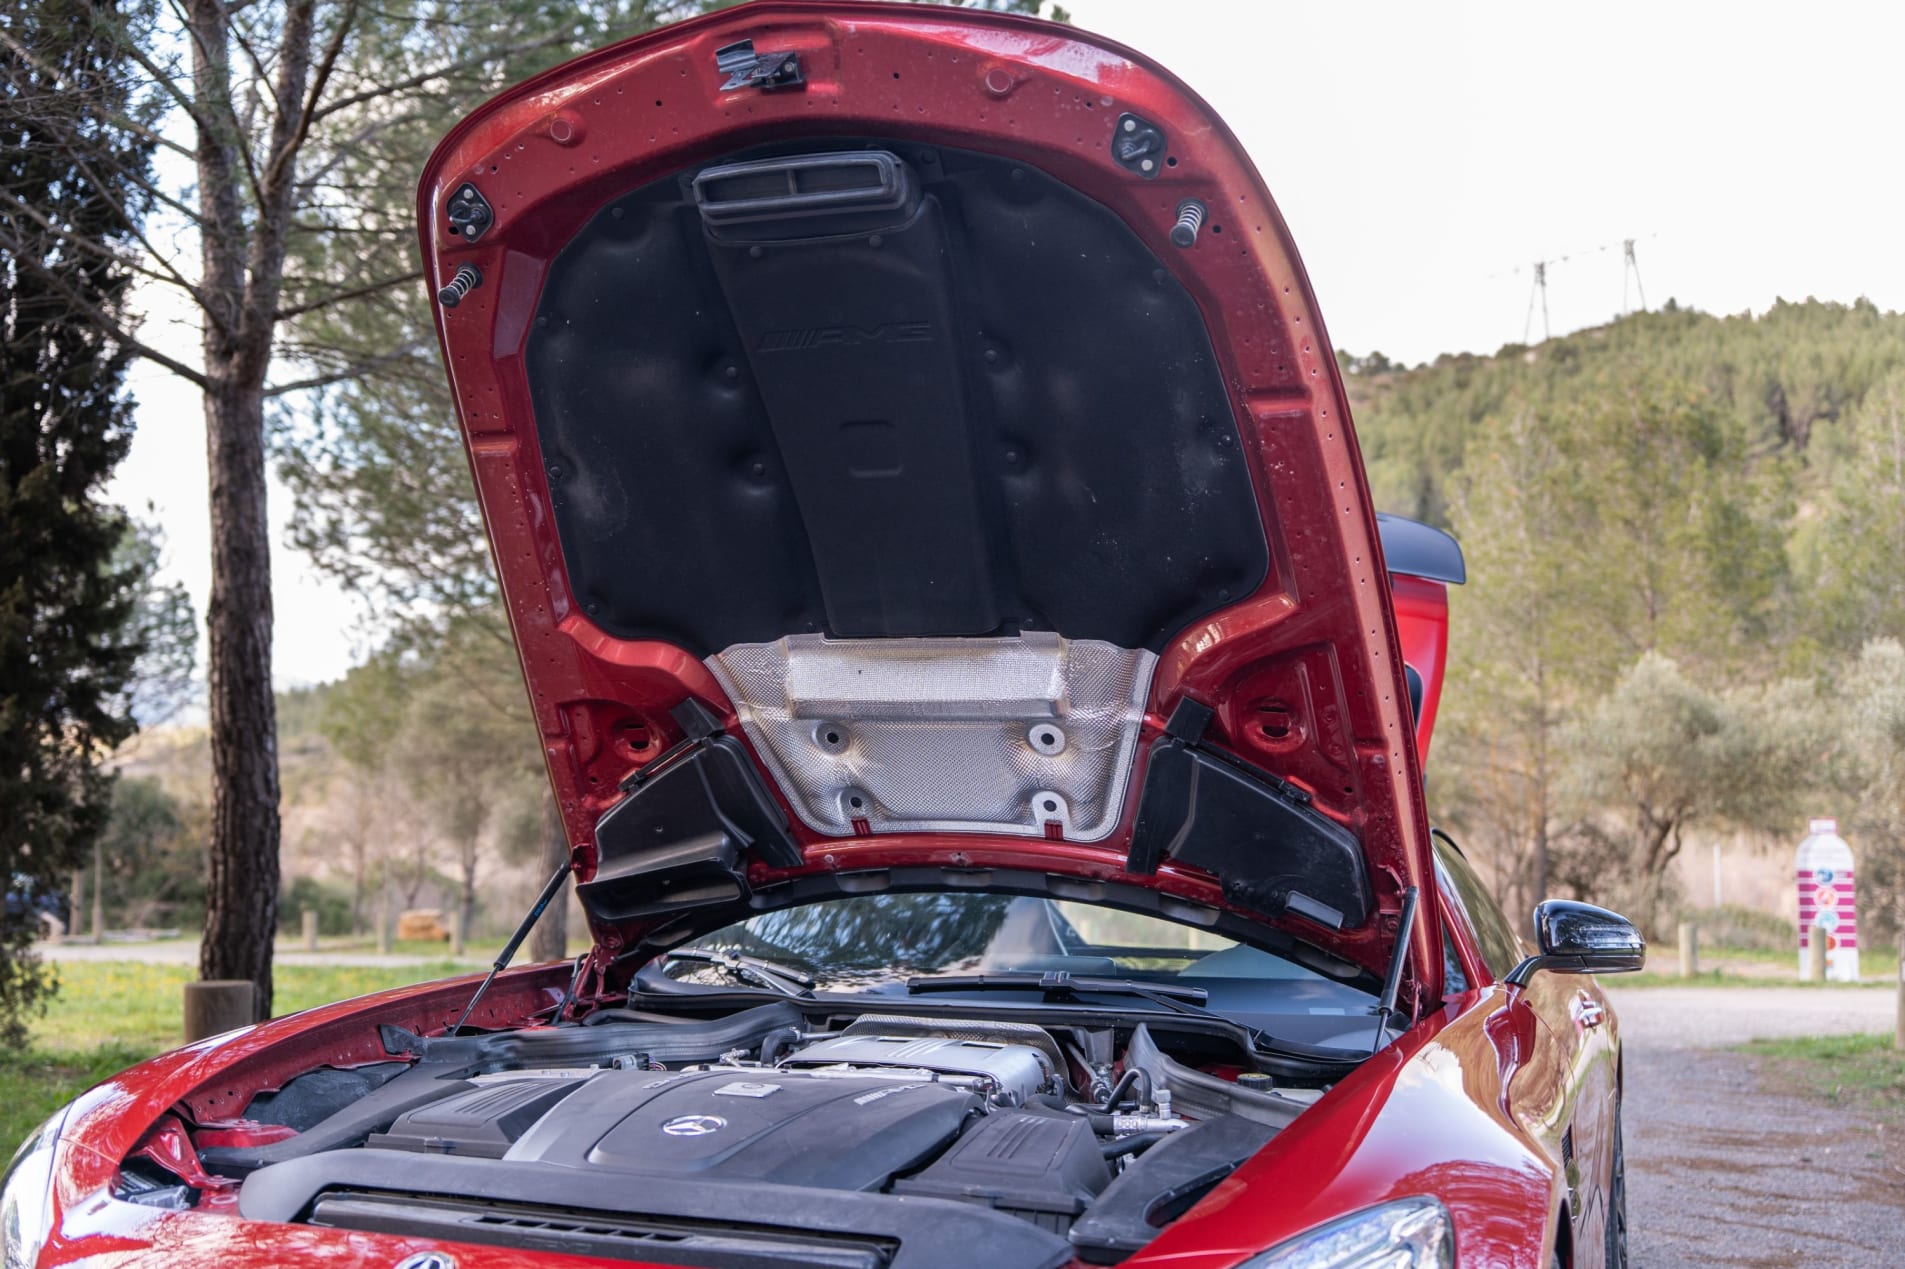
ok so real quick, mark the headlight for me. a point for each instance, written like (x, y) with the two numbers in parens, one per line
(26, 1195)
(1411, 1233)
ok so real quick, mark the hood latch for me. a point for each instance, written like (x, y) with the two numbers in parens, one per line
(768, 72)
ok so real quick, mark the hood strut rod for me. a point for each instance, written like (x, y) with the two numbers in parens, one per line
(1392, 982)
(515, 941)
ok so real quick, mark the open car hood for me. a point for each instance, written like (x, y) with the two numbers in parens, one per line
(908, 441)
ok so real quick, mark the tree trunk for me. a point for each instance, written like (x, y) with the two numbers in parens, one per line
(360, 868)
(415, 875)
(241, 275)
(1542, 810)
(383, 905)
(241, 895)
(550, 939)
(467, 884)
(1539, 868)
(99, 886)
(1657, 834)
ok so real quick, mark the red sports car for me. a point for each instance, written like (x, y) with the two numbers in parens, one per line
(988, 717)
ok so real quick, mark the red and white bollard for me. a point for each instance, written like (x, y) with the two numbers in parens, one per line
(1828, 914)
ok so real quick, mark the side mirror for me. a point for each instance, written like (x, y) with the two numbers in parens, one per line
(1579, 938)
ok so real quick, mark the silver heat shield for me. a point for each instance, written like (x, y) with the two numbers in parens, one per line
(947, 735)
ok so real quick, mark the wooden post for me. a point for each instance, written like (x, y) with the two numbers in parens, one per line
(1689, 949)
(1816, 963)
(99, 885)
(218, 1006)
(1898, 1035)
(383, 910)
(310, 929)
(456, 932)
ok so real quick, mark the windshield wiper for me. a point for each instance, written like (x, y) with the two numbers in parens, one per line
(1174, 997)
(1170, 995)
(782, 978)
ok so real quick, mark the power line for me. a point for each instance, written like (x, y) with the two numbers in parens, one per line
(1565, 257)
(1538, 289)
(1630, 266)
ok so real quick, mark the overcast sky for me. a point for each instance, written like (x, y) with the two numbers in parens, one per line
(1424, 157)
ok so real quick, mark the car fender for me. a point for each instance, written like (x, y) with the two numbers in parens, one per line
(1431, 1114)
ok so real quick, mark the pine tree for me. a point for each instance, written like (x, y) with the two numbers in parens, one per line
(67, 651)
(277, 107)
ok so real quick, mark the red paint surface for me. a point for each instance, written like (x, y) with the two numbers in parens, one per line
(1468, 1106)
(1318, 637)
(1422, 621)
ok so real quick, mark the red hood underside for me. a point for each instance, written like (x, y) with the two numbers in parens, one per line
(1299, 668)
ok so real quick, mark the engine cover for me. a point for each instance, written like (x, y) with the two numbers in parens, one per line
(1011, 1073)
(836, 1132)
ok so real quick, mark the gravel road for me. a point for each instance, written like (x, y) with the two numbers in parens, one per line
(1720, 1017)
(1724, 1167)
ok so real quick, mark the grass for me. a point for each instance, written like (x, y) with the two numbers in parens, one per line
(1759, 955)
(1873, 961)
(111, 1014)
(436, 949)
(1867, 1071)
(1751, 967)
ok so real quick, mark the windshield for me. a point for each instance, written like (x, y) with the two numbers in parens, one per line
(875, 943)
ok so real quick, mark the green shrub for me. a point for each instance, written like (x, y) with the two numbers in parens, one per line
(1733, 926)
(332, 904)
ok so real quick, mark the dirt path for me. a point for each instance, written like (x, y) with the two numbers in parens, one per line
(1720, 1017)
(1726, 1169)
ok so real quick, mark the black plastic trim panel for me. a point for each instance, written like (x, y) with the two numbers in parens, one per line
(928, 1233)
(677, 839)
(877, 390)
(596, 1234)
(1253, 832)
(1162, 1184)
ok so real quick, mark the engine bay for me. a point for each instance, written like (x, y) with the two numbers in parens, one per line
(766, 1137)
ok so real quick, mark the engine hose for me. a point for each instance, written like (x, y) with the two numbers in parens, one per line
(1130, 1145)
(777, 1043)
(1132, 1075)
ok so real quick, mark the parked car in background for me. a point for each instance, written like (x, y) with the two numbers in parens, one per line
(987, 713)
(30, 900)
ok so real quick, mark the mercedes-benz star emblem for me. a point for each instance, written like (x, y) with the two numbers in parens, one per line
(694, 1125)
(428, 1260)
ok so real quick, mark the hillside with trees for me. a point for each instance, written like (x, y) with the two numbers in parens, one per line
(1686, 539)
